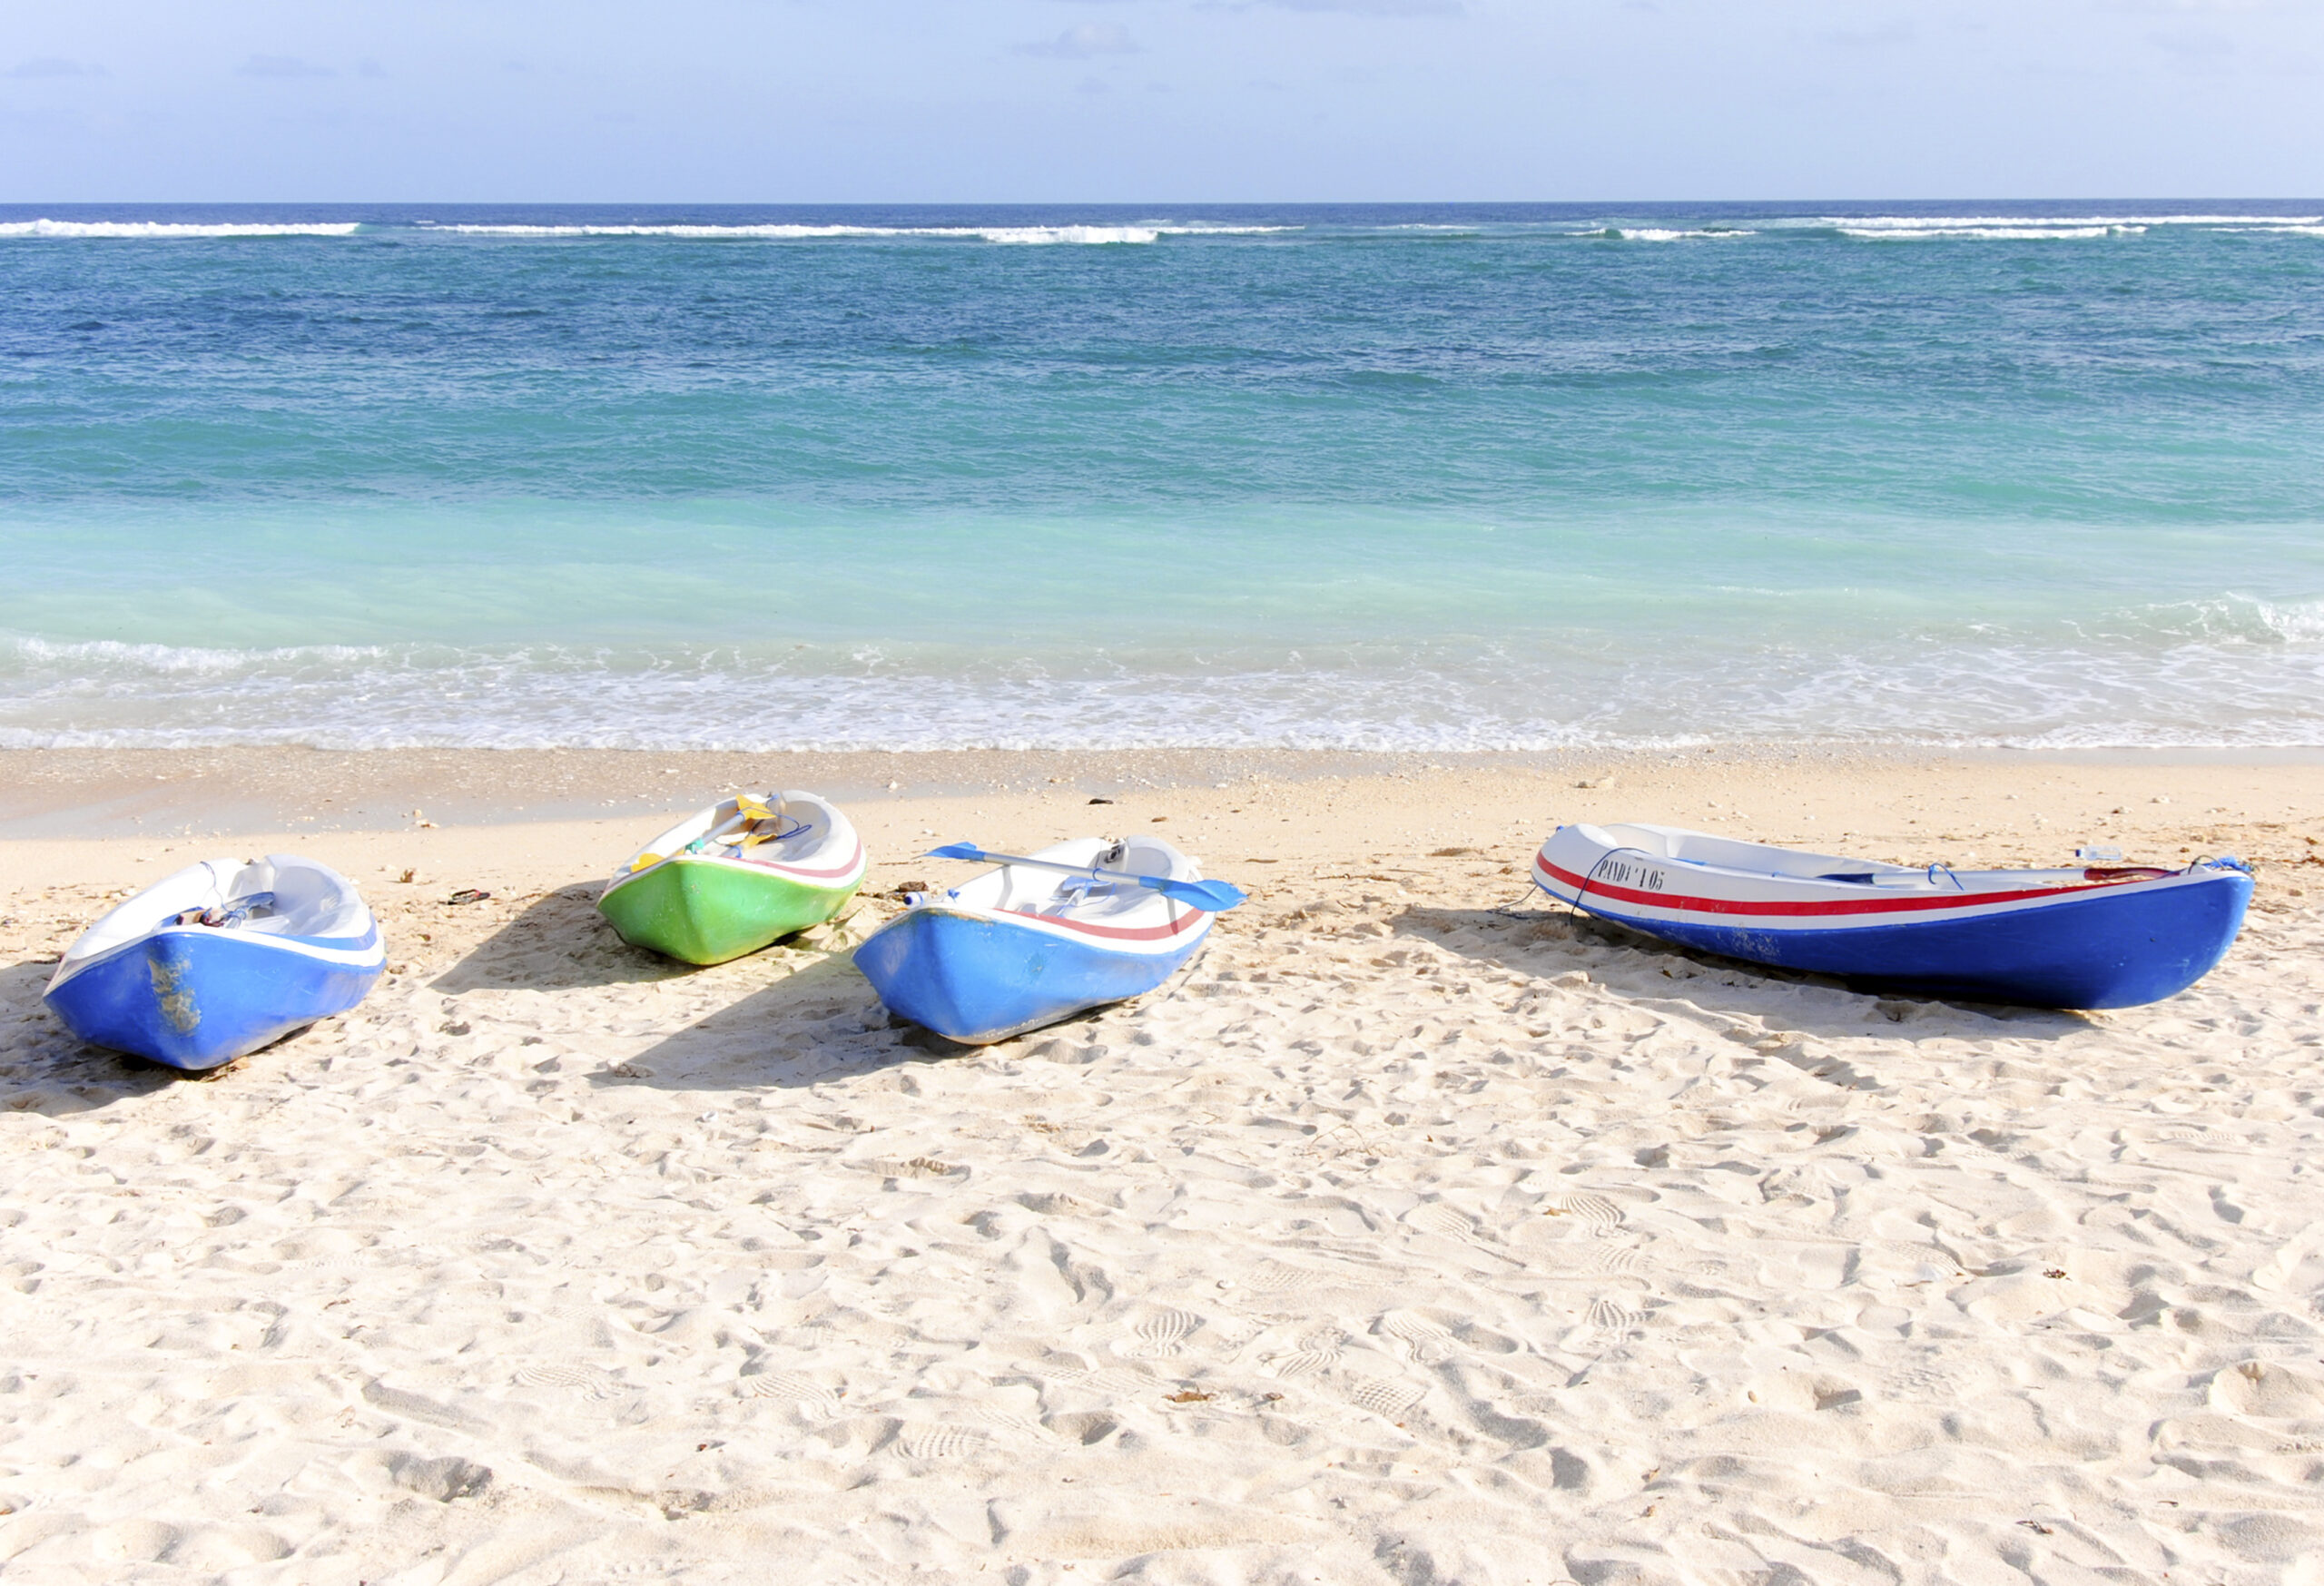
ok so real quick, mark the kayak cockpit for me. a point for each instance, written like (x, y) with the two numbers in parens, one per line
(1017, 888)
(1701, 853)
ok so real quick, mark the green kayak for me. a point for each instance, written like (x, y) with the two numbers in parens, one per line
(737, 876)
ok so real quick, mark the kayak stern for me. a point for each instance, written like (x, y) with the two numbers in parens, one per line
(976, 978)
(195, 999)
(705, 910)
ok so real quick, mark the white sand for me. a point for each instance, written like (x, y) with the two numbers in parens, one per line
(1400, 1241)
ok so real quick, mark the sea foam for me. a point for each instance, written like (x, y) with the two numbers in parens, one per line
(2227, 672)
(173, 229)
(1987, 233)
(1018, 235)
(2050, 222)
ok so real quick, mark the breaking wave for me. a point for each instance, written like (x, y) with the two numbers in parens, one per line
(151, 231)
(1972, 222)
(1612, 226)
(2224, 673)
(2040, 228)
(1988, 233)
(1020, 235)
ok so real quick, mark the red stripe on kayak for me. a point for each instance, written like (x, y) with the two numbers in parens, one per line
(854, 860)
(1837, 906)
(1119, 932)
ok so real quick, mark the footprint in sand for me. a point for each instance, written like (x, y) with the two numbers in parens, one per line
(1271, 1277)
(939, 1441)
(803, 1390)
(1614, 1260)
(1386, 1396)
(1612, 1316)
(1424, 1342)
(1008, 1422)
(1318, 1351)
(1444, 1221)
(1592, 1209)
(584, 1380)
(1117, 1382)
(348, 1262)
(1058, 1367)
(1157, 1336)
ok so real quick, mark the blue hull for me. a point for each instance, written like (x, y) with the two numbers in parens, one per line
(195, 999)
(977, 979)
(2116, 950)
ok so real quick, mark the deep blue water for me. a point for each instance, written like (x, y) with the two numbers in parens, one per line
(1428, 476)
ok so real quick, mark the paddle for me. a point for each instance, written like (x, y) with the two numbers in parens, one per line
(1212, 897)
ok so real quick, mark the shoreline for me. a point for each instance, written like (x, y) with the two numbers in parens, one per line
(55, 794)
(408, 826)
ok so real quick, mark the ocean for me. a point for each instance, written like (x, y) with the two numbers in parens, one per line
(1400, 477)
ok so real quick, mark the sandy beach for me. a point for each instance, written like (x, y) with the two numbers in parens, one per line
(1418, 1233)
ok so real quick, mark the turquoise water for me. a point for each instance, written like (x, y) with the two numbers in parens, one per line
(1384, 477)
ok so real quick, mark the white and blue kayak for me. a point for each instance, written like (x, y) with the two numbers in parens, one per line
(1074, 926)
(2087, 937)
(220, 960)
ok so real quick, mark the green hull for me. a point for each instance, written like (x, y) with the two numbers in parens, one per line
(705, 912)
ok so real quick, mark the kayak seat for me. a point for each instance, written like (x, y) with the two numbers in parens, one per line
(1078, 892)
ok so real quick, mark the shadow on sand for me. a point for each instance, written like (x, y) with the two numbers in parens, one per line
(559, 943)
(44, 1070)
(819, 1022)
(1552, 941)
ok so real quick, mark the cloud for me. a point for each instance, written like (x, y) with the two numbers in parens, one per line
(1089, 40)
(54, 66)
(280, 67)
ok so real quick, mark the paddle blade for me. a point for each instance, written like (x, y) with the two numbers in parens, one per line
(955, 850)
(1211, 897)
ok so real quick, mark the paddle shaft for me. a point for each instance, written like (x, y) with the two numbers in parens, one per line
(1196, 893)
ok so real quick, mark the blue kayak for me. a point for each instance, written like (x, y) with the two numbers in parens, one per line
(220, 960)
(2092, 936)
(1020, 947)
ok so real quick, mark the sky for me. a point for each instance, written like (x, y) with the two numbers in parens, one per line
(1129, 101)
